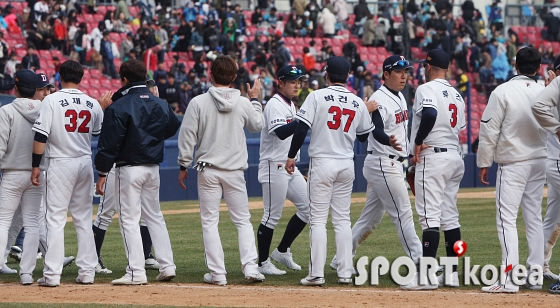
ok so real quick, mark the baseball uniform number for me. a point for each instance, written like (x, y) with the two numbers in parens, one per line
(73, 116)
(453, 109)
(337, 115)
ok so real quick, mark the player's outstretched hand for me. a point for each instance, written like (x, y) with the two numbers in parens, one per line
(36, 177)
(100, 185)
(255, 90)
(290, 165)
(183, 174)
(154, 90)
(483, 176)
(105, 100)
(371, 105)
(394, 143)
(417, 150)
(551, 76)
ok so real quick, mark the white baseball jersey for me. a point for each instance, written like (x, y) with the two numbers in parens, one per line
(394, 112)
(335, 116)
(278, 112)
(440, 95)
(69, 118)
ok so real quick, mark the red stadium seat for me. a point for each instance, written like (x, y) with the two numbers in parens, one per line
(94, 93)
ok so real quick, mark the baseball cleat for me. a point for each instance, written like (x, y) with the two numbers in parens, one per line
(26, 279)
(498, 288)
(209, 278)
(43, 283)
(151, 264)
(83, 281)
(285, 258)
(533, 286)
(313, 281)
(39, 255)
(550, 275)
(68, 261)
(344, 280)
(165, 277)
(254, 277)
(15, 253)
(415, 285)
(267, 268)
(453, 283)
(127, 281)
(334, 264)
(101, 269)
(7, 271)
(555, 288)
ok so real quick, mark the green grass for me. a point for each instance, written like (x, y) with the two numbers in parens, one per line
(477, 218)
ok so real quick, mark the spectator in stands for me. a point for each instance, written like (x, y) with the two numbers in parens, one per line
(239, 18)
(475, 57)
(150, 58)
(341, 12)
(495, 19)
(109, 20)
(181, 73)
(460, 53)
(266, 83)
(162, 39)
(172, 92)
(44, 29)
(10, 68)
(368, 36)
(380, 34)
(312, 49)
(282, 56)
(205, 84)
(160, 72)
(316, 75)
(125, 47)
(106, 52)
(327, 22)
(31, 60)
(271, 18)
(60, 34)
(552, 24)
(299, 6)
(120, 25)
(308, 59)
(4, 48)
(468, 10)
(80, 43)
(91, 6)
(292, 26)
(303, 92)
(211, 36)
(368, 85)
(97, 35)
(314, 85)
(500, 68)
(411, 9)
(200, 66)
(122, 7)
(3, 24)
(197, 40)
(175, 66)
(462, 81)
(443, 7)
(185, 96)
(361, 10)
(184, 35)
(40, 7)
(257, 17)
(190, 12)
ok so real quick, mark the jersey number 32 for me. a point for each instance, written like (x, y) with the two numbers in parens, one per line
(72, 115)
(337, 115)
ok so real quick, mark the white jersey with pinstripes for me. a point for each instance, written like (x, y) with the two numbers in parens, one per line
(394, 112)
(69, 118)
(443, 97)
(335, 116)
(278, 112)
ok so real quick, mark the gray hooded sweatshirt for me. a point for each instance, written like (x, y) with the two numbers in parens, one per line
(16, 136)
(213, 125)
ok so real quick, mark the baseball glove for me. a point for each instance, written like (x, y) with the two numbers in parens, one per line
(410, 174)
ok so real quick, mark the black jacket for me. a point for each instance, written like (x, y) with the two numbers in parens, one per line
(134, 128)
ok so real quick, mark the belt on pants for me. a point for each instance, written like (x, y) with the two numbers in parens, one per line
(440, 150)
(395, 157)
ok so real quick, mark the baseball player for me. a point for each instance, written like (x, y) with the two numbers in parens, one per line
(336, 117)
(276, 136)
(545, 110)
(387, 149)
(134, 130)
(214, 123)
(511, 136)
(63, 130)
(439, 115)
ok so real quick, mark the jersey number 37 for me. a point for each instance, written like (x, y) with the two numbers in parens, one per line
(337, 118)
(73, 116)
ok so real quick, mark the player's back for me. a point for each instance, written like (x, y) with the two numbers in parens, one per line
(69, 118)
(335, 116)
(439, 94)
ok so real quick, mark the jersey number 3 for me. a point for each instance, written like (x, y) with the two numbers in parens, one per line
(73, 116)
(337, 115)
(453, 120)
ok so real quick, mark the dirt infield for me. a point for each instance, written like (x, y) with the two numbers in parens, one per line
(170, 294)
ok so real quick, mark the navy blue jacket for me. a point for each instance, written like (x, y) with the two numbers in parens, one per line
(134, 129)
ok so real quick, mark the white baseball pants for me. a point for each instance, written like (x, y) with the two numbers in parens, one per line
(437, 180)
(15, 227)
(137, 194)
(212, 183)
(277, 185)
(520, 183)
(68, 186)
(388, 193)
(551, 223)
(16, 189)
(330, 188)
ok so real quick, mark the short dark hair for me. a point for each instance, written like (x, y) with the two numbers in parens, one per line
(170, 75)
(26, 92)
(337, 78)
(305, 49)
(223, 70)
(71, 71)
(133, 70)
(528, 60)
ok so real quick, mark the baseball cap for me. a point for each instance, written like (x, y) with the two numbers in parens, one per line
(397, 63)
(289, 72)
(43, 81)
(338, 65)
(315, 83)
(557, 63)
(26, 78)
(437, 57)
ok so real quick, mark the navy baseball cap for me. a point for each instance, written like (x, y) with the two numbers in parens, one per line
(397, 63)
(26, 78)
(43, 81)
(289, 72)
(437, 57)
(557, 63)
(338, 65)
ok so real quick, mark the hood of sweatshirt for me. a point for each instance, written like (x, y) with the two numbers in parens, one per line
(28, 108)
(224, 98)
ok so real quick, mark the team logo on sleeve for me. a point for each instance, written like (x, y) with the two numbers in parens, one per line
(445, 93)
